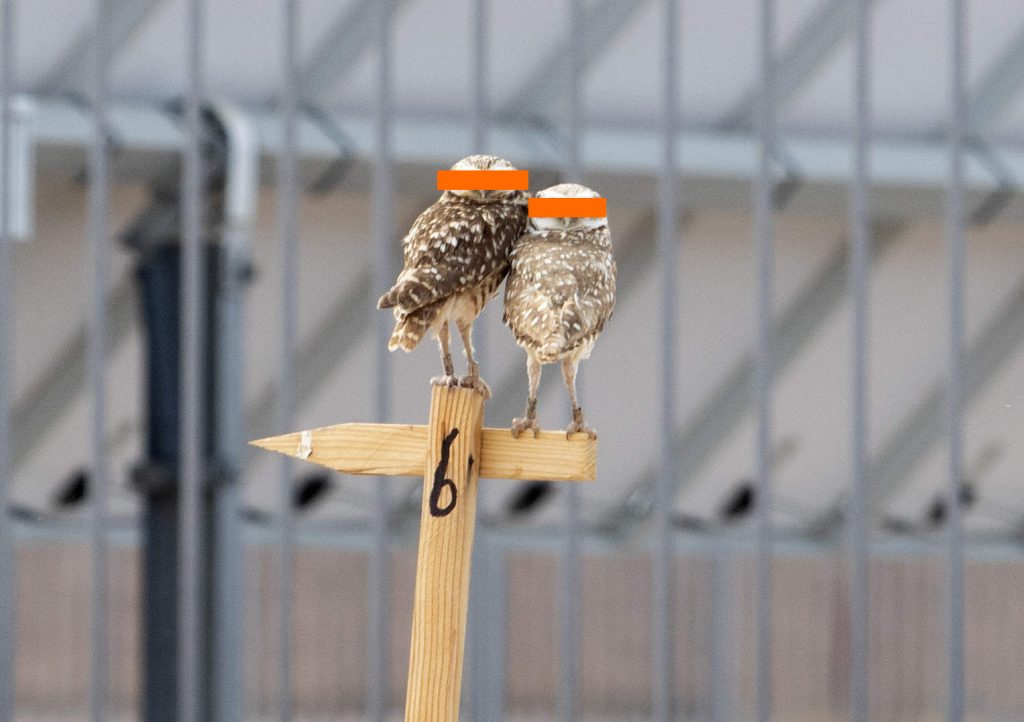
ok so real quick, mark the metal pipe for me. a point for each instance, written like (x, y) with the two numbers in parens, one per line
(8, 555)
(860, 262)
(378, 637)
(289, 231)
(99, 240)
(764, 230)
(956, 240)
(191, 472)
(226, 554)
(662, 577)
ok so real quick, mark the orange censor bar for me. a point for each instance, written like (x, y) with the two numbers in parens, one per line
(483, 180)
(568, 207)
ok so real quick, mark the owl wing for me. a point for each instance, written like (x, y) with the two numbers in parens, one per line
(558, 293)
(451, 247)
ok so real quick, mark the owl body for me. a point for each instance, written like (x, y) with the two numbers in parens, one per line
(560, 292)
(559, 296)
(455, 257)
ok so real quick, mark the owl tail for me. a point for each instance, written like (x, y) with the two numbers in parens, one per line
(568, 328)
(408, 294)
(410, 329)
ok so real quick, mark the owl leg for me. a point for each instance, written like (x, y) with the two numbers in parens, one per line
(472, 379)
(530, 422)
(578, 425)
(449, 379)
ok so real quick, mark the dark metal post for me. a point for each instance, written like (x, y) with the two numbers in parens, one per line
(224, 264)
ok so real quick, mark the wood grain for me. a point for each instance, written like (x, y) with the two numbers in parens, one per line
(400, 450)
(447, 521)
(374, 449)
(452, 452)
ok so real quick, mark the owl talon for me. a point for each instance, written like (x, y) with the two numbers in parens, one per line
(578, 425)
(473, 381)
(579, 428)
(451, 381)
(521, 425)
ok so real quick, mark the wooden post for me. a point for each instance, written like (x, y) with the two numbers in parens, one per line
(447, 520)
(452, 453)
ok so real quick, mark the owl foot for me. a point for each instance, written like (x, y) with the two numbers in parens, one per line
(578, 425)
(449, 380)
(575, 428)
(521, 425)
(473, 381)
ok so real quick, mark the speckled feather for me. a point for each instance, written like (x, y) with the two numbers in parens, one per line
(456, 255)
(560, 291)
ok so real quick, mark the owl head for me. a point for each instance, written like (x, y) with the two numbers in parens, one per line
(566, 190)
(487, 162)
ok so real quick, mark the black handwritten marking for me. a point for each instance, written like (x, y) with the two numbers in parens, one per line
(440, 482)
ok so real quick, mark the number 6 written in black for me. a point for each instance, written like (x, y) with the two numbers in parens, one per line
(440, 481)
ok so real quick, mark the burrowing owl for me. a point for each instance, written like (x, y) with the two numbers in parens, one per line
(559, 295)
(456, 255)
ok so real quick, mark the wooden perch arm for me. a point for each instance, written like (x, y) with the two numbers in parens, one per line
(401, 450)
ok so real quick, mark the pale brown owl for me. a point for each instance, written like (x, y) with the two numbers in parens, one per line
(559, 295)
(456, 256)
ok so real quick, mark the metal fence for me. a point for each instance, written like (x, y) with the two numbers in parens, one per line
(692, 671)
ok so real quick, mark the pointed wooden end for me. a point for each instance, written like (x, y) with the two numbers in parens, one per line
(375, 449)
(283, 444)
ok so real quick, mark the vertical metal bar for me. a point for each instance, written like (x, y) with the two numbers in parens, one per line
(225, 566)
(663, 580)
(860, 241)
(99, 235)
(722, 640)
(495, 634)
(192, 386)
(288, 219)
(481, 115)
(956, 239)
(569, 607)
(8, 555)
(484, 688)
(481, 131)
(765, 232)
(378, 638)
(481, 74)
(573, 164)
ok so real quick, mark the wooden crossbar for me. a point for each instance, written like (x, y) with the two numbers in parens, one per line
(400, 450)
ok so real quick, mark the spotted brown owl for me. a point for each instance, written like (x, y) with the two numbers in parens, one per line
(456, 256)
(559, 295)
